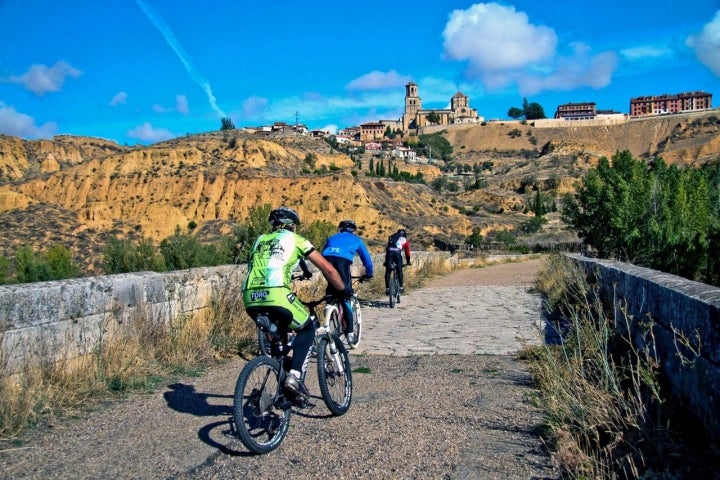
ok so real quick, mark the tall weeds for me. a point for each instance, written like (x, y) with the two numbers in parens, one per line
(601, 394)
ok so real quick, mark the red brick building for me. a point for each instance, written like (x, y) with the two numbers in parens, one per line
(664, 104)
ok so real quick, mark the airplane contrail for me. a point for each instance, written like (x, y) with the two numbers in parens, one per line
(174, 43)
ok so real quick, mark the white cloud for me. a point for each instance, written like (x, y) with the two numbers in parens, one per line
(41, 79)
(181, 104)
(645, 52)
(147, 133)
(253, 106)
(494, 38)
(502, 47)
(119, 99)
(570, 72)
(707, 44)
(378, 80)
(21, 125)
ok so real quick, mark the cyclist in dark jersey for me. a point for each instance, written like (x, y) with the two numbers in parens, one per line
(340, 250)
(266, 287)
(397, 244)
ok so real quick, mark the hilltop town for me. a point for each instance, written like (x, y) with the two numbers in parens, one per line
(79, 191)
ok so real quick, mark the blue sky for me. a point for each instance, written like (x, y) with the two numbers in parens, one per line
(143, 71)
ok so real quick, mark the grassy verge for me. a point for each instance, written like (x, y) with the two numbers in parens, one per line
(606, 415)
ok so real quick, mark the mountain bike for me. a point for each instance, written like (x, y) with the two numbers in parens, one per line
(262, 407)
(335, 320)
(394, 285)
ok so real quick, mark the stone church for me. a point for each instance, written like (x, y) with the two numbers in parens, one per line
(416, 117)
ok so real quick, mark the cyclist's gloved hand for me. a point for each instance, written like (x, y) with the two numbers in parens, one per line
(366, 278)
(307, 275)
(408, 262)
(343, 296)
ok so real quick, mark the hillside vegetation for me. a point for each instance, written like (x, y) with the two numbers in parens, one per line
(78, 191)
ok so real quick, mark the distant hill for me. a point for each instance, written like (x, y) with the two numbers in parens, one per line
(78, 190)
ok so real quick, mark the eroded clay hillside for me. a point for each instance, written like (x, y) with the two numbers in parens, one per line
(78, 191)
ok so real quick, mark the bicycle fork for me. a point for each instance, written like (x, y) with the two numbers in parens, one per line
(334, 352)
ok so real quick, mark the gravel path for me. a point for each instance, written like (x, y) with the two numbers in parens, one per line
(460, 416)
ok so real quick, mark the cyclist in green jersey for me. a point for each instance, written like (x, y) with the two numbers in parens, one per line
(266, 288)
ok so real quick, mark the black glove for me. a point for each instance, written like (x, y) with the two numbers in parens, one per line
(408, 262)
(366, 278)
(307, 275)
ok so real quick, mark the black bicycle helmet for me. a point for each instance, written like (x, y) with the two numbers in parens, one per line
(402, 232)
(347, 226)
(284, 216)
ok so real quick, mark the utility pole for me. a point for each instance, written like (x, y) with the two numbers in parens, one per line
(296, 126)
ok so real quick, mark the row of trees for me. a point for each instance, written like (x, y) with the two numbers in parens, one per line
(30, 266)
(180, 251)
(659, 216)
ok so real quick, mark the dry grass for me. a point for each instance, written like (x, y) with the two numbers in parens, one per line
(605, 416)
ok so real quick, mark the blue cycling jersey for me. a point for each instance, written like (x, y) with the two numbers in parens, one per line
(346, 245)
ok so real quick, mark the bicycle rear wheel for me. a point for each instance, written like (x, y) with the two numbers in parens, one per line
(393, 289)
(335, 384)
(357, 321)
(259, 417)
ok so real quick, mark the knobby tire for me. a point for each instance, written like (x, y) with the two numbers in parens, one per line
(335, 387)
(357, 322)
(259, 423)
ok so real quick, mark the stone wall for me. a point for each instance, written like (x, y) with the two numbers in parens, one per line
(685, 333)
(53, 321)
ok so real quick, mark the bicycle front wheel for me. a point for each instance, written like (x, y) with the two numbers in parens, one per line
(260, 418)
(334, 375)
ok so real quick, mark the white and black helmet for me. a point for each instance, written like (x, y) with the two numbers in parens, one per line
(284, 216)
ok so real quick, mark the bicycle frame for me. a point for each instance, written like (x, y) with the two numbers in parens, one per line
(334, 315)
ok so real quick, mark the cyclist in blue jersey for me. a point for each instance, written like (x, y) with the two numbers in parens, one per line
(340, 250)
(266, 287)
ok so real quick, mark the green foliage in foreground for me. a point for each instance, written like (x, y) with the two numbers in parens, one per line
(662, 217)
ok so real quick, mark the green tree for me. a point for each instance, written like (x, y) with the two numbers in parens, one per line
(515, 113)
(226, 123)
(441, 147)
(318, 231)
(439, 183)
(125, 256)
(4, 270)
(433, 117)
(474, 239)
(31, 268)
(61, 263)
(657, 216)
(181, 251)
(534, 111)
(245, 234)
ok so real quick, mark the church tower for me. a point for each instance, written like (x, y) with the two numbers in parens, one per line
(413, 104)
